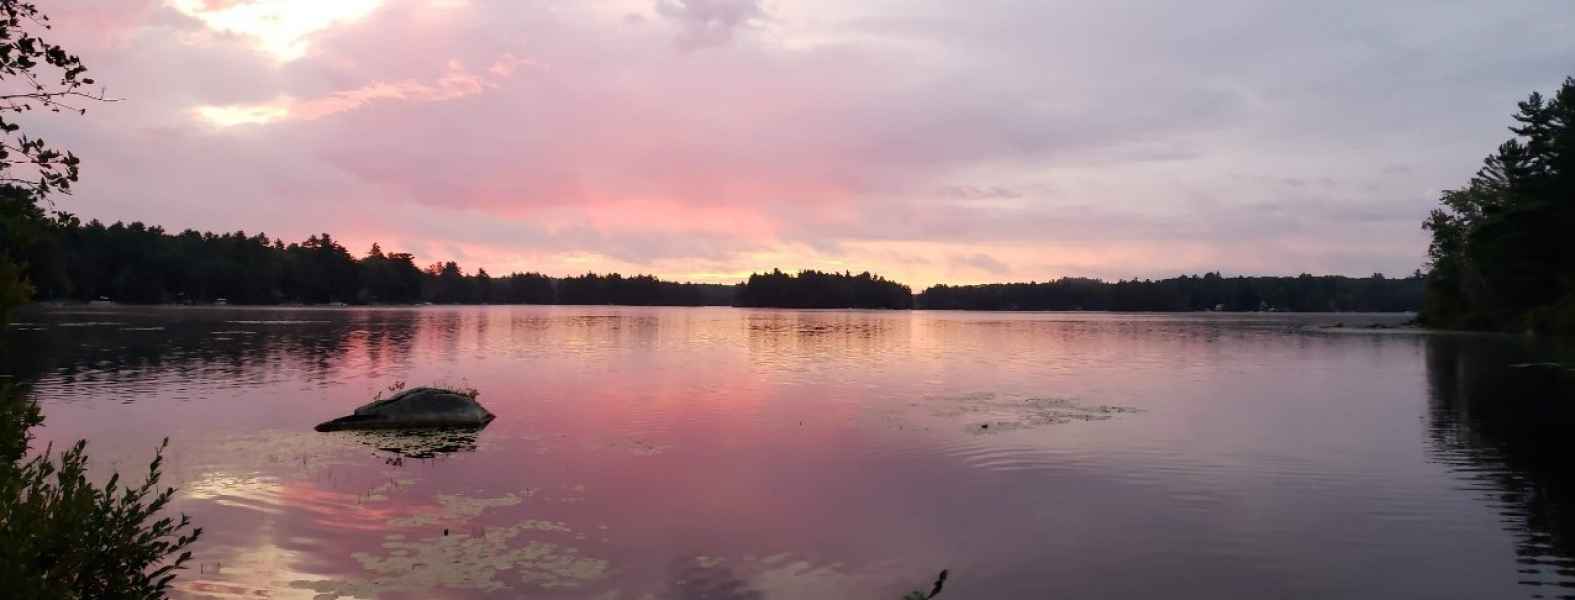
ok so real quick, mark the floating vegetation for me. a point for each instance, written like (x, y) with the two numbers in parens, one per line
(465, 562)
(142, 329)
(778, 576)
(310, 451)
(639, 447)
(454, 509)
(89, 324)
(423, 444)
(381, 492)
(988, 413)
(571, 495)
(274, 446)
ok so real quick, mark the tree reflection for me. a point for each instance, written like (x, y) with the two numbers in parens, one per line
(235, 346)
(1510, 431)
(419, 444)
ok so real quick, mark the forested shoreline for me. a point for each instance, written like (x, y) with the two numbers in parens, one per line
(1211, 291)
(141, 264)
(817, 289)
(67, 260)
(1501, 256)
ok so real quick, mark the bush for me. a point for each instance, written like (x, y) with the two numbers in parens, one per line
(67, 538)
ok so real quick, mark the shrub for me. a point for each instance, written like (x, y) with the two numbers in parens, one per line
(65, 537)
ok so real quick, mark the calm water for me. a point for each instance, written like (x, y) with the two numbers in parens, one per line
(724, 453)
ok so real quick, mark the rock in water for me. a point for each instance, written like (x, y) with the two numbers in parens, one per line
(415, 408)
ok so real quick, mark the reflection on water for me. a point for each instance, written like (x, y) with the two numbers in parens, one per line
(722, 453)
(1505, 423)
(425, 443)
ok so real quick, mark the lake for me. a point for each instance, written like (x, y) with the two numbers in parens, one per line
(775, 454)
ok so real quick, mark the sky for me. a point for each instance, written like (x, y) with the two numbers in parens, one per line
(701, 140)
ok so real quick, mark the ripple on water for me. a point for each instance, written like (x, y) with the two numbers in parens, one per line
(991, 456)
(990, 413)
(496, 558)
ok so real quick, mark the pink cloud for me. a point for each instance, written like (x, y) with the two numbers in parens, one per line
(457, 82)
(717, 137)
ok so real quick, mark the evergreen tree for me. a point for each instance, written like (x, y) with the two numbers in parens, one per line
(1500, 256)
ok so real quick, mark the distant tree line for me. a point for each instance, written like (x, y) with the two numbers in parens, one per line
(1501, 255)
(1211, 291)
(143, 264)
(817, 289)
(140, 264)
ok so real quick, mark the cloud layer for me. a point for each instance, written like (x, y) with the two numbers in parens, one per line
(704, 139)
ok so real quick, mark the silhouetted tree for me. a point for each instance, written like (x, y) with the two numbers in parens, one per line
(1500, 256)
(389, 278)
(527, 288)
(1211, 291)
(137, 263)
(816, 289)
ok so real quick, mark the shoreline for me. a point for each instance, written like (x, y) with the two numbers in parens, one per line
(79, 305)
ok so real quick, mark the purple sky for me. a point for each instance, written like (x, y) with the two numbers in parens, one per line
(704, 139)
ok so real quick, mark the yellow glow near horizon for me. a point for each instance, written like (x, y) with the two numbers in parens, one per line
(456, 83)
(228, 116)
(279, 27)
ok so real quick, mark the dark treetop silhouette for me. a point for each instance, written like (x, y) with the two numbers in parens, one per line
(141, 264)
(1304, 293)
(137, 263)
(816, 289)
(1501, 256)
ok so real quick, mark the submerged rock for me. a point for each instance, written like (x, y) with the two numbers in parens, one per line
(415, 408)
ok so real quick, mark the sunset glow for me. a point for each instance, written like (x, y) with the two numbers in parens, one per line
(229, 116)
(706, 140)
(786, 299)
(278, 27)
(456, 82)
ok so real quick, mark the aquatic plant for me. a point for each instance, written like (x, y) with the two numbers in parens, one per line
(393, 388)
(465, 557)
(462, 387)
(940, 582)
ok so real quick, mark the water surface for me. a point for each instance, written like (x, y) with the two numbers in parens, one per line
(728, 453)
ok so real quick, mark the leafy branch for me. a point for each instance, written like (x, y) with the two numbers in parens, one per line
(28, 162)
